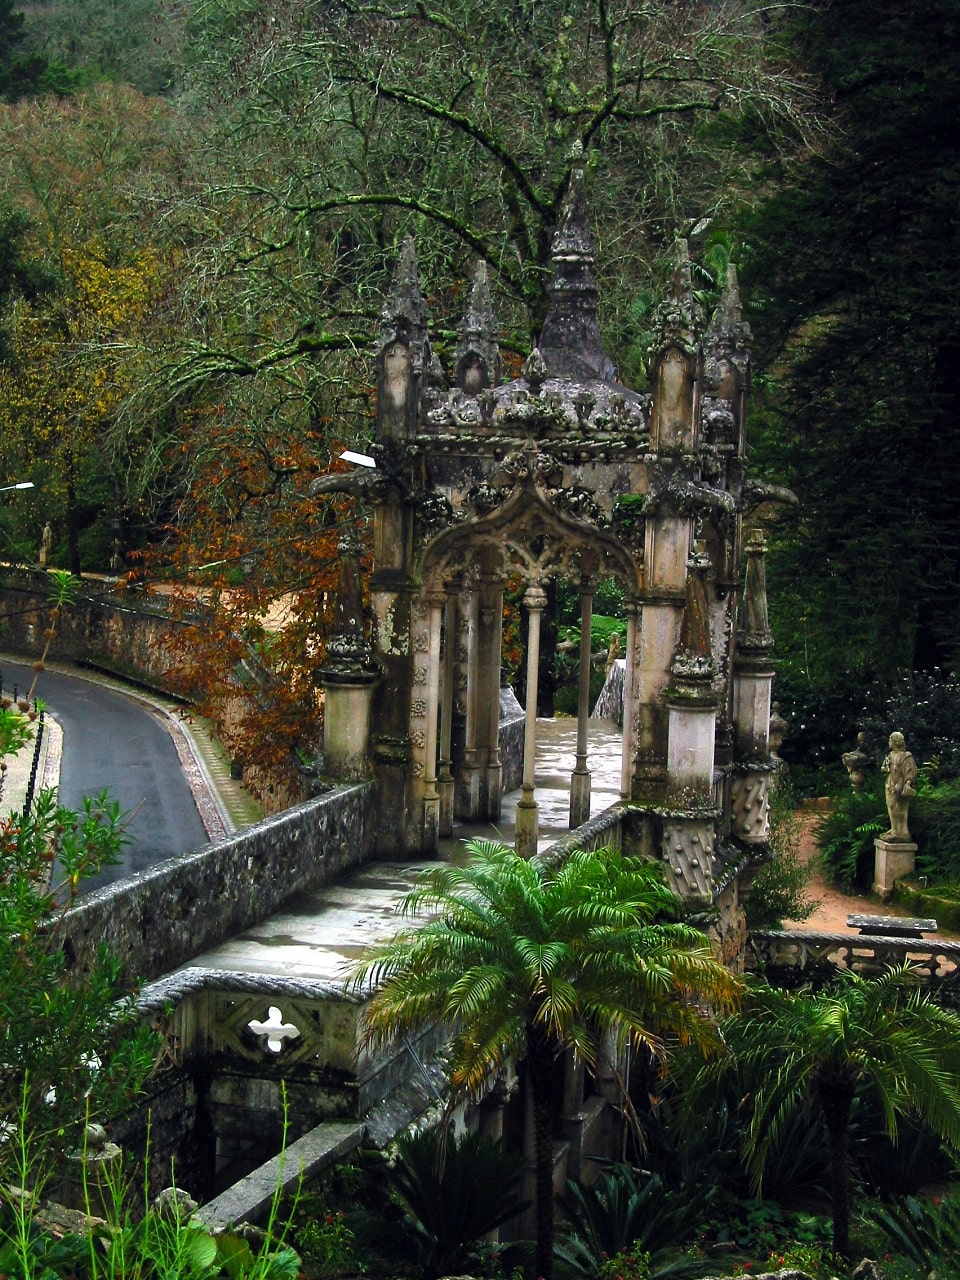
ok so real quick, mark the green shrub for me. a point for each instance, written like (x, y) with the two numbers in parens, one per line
(453, 1192)
(935, 826)
(926, 1233)
(846, 834)
(778, 891)
(70, 1048)
(624, 1214)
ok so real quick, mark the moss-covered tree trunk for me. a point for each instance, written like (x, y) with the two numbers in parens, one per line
(836, 1089)
(540, 1067)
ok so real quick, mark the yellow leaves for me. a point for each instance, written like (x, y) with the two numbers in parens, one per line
(77, 352)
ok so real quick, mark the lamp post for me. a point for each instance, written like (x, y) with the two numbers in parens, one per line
(21, 484)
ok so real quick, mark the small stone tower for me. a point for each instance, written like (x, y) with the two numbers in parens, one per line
(564, 473)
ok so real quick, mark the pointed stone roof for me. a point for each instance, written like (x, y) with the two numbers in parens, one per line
(570, 339)
(728, 334)
(404, 314)
(479, 331)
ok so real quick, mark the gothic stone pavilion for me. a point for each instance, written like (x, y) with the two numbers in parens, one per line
(562, 473)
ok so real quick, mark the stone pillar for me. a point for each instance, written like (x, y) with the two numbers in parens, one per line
(752, 685)
(431, 795)
(348, 676)
(690, 829)
(892, 860)
(445, 785)
(580, 780)
(629, 700)
(468, 788)
(488, 699)
(526, 818)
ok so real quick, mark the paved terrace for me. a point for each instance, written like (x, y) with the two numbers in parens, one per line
(322, 933)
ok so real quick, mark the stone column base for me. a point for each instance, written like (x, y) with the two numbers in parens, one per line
(893, 859)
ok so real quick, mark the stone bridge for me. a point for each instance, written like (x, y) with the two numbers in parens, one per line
(243, 946)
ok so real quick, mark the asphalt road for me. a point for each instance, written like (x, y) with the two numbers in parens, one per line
(117, 743)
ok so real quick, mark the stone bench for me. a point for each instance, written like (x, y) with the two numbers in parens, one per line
(891, 926)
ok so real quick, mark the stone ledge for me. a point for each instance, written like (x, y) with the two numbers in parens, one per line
(249, 1200)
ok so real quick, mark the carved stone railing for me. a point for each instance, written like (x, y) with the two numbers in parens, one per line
(281, 1027)
(793, 958)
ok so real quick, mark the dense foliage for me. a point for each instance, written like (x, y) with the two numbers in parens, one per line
(191, 282)
(71, 1046)
(851, 271)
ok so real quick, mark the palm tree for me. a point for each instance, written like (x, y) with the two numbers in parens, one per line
(882, 1031)
(521, 958)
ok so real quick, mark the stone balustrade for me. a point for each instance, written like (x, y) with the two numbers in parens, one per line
(792, 958)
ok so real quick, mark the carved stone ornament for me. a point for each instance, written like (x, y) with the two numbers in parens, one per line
(751, 807)
(688, 854)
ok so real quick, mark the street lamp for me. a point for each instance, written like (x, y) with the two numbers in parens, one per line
(22, 484)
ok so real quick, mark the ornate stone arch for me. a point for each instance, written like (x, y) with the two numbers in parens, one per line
(533, 538)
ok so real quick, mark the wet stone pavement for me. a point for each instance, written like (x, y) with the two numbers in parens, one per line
(322, 934)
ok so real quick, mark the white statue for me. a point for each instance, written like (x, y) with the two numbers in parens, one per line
(901, 770)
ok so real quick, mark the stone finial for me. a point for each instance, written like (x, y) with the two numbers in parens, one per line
(535, 370)
(404, 314)
(778, 730)
(570, 338)
(754, 635)
(478, 363)
(347, 649)
(679, 318)
(727, 340)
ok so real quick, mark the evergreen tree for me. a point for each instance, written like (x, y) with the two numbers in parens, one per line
(853, 272)
(527, 960)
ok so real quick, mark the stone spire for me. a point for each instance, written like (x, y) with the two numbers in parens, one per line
(727, 340)
(404, 314)
(404, 357)
(679, 317)
(570, 339)
(347, 650)
(753, 637)
(727, 328)
(478, 363)
(693, 668)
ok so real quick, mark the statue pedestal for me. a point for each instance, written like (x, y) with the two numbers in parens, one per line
(892, 860)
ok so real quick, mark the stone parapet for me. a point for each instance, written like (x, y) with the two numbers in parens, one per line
(159, 919)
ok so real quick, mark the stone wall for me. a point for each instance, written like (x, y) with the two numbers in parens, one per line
(158, 919)
(123, 633)
(511, 740)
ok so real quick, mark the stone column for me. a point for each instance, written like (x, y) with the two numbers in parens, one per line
(348, 676)
(752, 684)
(527, 819)
(431, 794)
(629, 697)
(468, 788)
(447, 699)
(691, 700)
(580, 781)
(488, 701)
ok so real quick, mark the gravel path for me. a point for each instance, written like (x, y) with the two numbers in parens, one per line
(835, 906)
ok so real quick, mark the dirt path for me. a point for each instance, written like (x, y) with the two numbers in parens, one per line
(835, 906)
